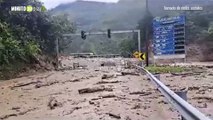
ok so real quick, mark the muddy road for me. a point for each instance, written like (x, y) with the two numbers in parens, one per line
(100, 89)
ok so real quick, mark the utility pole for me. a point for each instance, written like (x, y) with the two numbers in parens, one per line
(57, 53)
(147, 35)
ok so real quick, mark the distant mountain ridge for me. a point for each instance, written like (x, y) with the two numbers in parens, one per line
(95, 15)
(125, 14)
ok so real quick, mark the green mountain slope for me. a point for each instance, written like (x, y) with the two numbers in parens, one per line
(96, 16)
(122, 15)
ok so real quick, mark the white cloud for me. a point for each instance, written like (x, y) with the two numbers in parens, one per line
(53, 3)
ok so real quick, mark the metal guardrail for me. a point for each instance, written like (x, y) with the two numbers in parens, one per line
(184, 108)
(95, 56)
(105, 56)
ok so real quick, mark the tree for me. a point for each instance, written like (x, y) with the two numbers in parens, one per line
(24, 35)
(62, 25)
(127, 47)
(201, 20)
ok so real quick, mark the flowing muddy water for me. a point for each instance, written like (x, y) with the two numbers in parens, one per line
(99, 89)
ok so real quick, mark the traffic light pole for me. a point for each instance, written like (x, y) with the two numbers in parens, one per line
(112, 32)
(57, 53)
(139, 40)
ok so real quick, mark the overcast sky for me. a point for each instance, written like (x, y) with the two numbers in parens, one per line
(53, 3)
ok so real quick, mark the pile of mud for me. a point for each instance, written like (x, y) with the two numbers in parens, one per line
(36, 65)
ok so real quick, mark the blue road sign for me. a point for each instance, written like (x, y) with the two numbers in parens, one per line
(164, 32)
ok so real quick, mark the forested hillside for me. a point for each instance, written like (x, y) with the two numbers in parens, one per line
(99, 16)
(129, 14)
(27, 38)
(122, 15)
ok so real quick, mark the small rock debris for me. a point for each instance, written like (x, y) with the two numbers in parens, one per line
(53, 103)
(108, 64)
(107, 76)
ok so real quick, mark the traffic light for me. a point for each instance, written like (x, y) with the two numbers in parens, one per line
(109, 33)
(83, 35)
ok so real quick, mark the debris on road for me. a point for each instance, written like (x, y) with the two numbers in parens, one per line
(78, 66)
(75, 65)
(70, 111)
(136, 106)
(25, 84)
(204, 105)
(141, 93)
(74, 80)
(183, 74)
(114, 115)
(107, 76)
(46, 84)
(7, 116)
(16, 108)
(107, 82)
(130, 73)
(162, 102)
(94, 89)
(16, 114)
(193, 88)
(206, 98)
(95, 103)
(53, 103)
(109, 92)
(108, 96)
(108, 64)
(91, 102)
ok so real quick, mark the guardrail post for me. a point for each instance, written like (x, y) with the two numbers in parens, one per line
(183, 95)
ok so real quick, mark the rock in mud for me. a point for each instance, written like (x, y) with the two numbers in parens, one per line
(53, 103)
(107, 76)
(108, 64)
